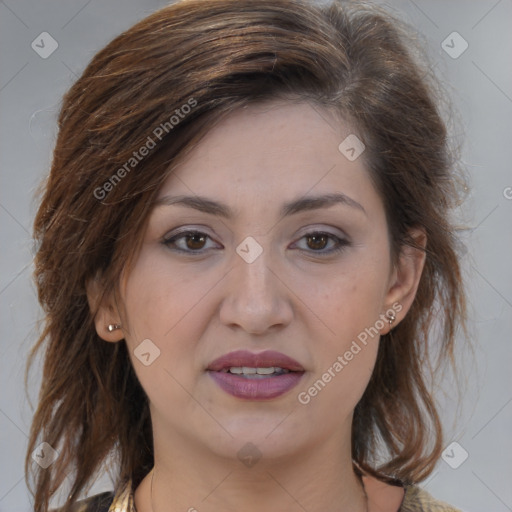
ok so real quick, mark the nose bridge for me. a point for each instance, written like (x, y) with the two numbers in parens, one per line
(255, 300)
(254, 277)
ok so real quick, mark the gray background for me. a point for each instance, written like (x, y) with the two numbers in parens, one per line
(481, 87)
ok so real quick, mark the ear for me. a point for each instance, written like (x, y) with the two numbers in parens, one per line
(104, 310)
(405, 277)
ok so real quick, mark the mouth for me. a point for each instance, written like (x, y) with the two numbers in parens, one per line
(260, 376)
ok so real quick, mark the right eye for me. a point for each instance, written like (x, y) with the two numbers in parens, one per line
(191, 241)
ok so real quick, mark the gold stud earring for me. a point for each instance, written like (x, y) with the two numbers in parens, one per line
(113, 327)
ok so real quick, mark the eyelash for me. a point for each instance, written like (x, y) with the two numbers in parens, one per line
(341, 243)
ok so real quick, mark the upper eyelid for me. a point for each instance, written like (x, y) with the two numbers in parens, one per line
(184, 233)
(306, 230)
(199, 230)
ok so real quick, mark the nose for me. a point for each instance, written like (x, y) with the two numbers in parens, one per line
(256, 296)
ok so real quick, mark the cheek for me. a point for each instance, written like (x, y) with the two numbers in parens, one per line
(166, 307)
(349, 306)
(159, 298)
(347, 302)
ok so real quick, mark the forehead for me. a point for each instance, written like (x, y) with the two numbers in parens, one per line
(277, 148)
(273, 131)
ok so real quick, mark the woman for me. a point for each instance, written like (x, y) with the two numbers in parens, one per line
(243, 244)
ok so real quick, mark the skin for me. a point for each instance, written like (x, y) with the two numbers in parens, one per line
(290, 299)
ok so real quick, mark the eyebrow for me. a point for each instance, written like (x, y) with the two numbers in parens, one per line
(302, 204)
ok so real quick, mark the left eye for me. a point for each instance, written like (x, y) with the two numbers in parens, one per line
(317, 241)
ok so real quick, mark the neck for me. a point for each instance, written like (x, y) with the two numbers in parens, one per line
(313, 480)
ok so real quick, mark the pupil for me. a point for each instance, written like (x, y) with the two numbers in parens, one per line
(319, 241)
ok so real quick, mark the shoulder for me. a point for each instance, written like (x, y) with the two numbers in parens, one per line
(97, 503)
(394, 496)
(419, 500)
(121, 499)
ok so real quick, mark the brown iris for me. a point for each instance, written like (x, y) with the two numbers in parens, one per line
(195, 241)
(319, 241)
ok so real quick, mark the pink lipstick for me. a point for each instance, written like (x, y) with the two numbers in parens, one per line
(251, 376)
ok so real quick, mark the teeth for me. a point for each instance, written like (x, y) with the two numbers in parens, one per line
(245, 370)
(266, 371)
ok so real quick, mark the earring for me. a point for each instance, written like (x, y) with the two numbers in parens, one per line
(391, 317)
(113, 327)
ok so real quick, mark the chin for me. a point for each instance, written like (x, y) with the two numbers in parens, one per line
(268, 437)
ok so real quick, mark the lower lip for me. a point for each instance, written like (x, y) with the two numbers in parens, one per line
(256, 389)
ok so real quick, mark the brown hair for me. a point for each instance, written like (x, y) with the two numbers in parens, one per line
(217, 56)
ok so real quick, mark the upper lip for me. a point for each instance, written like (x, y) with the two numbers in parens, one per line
(266, 359)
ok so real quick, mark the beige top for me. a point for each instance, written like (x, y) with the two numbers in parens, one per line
(413, 499)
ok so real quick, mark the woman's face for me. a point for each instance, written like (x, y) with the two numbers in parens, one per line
(272, 267)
